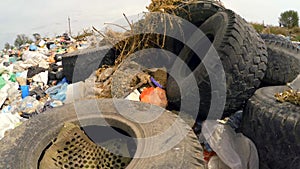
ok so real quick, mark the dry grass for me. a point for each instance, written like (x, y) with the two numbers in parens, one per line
(167, 5)
(83, 35)
(277, 30)
(129, 42)
(258, 27)
(294, 32)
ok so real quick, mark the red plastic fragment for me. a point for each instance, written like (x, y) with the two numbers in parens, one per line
(155, 96)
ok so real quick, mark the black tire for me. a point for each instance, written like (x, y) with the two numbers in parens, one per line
(244, 58)
(274, 128)
(199, 11)
(24, 145)
(273, 37)
(284, 61)
(79, 65)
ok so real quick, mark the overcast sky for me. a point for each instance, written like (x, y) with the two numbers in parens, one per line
(262, 10)
(50, 17)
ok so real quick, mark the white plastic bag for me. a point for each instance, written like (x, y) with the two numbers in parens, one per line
(41, 77)
(74, 92)
(8, 121)
(3, 97)
(134, 96)
(234, 149)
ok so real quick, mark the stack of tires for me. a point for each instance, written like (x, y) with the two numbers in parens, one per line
(244, 58)
(284, 60)
(249, 60)
(274, 127)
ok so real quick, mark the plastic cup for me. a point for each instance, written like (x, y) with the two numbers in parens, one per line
(25, 91)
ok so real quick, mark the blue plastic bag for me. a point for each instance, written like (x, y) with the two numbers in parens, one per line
(58, 92)
(25, 91)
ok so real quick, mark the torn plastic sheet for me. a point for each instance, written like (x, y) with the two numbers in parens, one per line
(234, 149)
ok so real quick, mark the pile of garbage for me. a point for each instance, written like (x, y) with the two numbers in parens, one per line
(32, 79)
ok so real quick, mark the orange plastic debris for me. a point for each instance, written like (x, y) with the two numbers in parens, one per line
(155, 96)
(207, 155)
(51, 58)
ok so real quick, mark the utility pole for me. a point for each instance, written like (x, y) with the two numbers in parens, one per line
(69, 21)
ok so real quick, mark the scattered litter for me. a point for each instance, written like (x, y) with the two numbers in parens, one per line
(3, 97)
(27, 74)
(25, 91)
(155, 82)
(30, 106)
(155, 96)
(22, 74)
(56, 103)
(208, 154)
(2, 82)
(234, 120)
(58, 92)
(34, 70)
(21, 81)
(134, 96)
(158, 76)
(234, 149)
(38, 93)
(74, 92)
(41, 77)
(292, 96)
(27, 55)
(8, 121)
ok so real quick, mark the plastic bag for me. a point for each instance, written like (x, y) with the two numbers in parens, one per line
(11, 90)
(41, 77)
(155, 96)
(3, 97)
(56, 103)
(58, 92)
(2, 82)
(30, 105)
(25, 91)
(8, 121)
(27, 55)
(135, 96)
(234, 149)
(74, 92)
